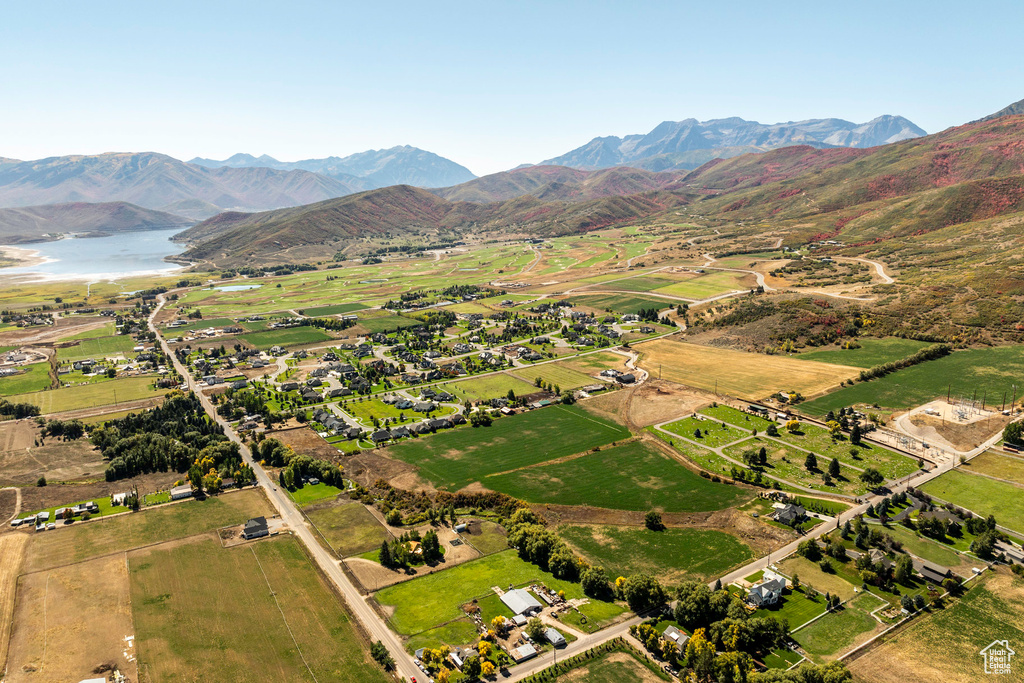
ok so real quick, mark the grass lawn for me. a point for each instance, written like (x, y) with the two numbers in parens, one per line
(996, 464)
(491, 539)
(671, 555)
(91, 395)
(336, 309)
(458, 633)
(313, 493)
(633, 476)
(35, 378)
(386, 323)
(782, 658)
(708, 285)
(103, 502)
(712, 434)
(817, 439)
(981, 495)
(737, 418)
(871, 353)
(795, 607)
(709, 460)
(787, 464)
(944, 645)
(97, 348)
(989, 371)
(613, 667)
(835, 633)
(459, 457)
(435, 599)
(81, 541)
(349, 528)
(107, 329)
(292, 620)
(924, 548)
(489, 386)
(365, 411)
(557, 374)
(750, 376)
(811, 575)
(292, 336)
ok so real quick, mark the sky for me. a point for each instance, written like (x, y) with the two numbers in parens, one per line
(489, 85)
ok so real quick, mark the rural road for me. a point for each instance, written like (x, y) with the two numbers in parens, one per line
(375, 627)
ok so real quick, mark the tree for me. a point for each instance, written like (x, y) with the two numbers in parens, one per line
(700, 655)
(486, 669)
(385, 555)
(652, 520)
(834, 428)
(904, 569)
(919, 601)
(535, 629)
(471, 667)
(41, 481)
(498, 624)
(793, 425)
(484, 648)
(810, 550)
(855, 435)
(762, 457)
(833, 468)
(595, 582)
(380, 653)
(871, 477)
(642, 592)
(811, 462)
(1014, 433)
(772, 430)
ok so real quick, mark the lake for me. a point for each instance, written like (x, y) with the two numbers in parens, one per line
(123, 255)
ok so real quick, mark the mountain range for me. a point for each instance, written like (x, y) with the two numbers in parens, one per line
(690, 143)
(402, 165)
(31, 223)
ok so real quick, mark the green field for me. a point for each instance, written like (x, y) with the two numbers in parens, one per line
(872, 352)
(924, 548)
(491, 538)
(91, 539)
(737, 418)
(704, 286)
(712, 434)
(35, 378)
(620, 304)
(336, 309)
(313, 493)
(90, 395)
(488, 386)
(671, 555)
(456, 458)
(434, 599)
(556, 374)
(107, 329)
(636, 284)
(266, 613)
(199, 325)
(386, 323)
(633, 476)
(453, 634)
(817, 440)
(787, 463)
(995, 464)
(810, 574)
(982, 496)
(795, 607)
(97, 348)
(349, 528)
(988, 371)
(836, 633)
(292, 336)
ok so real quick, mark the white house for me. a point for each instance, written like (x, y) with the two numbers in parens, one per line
(768, 590)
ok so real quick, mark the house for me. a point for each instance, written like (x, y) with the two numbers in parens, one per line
(423, 406)
(313, 382)
(238, 383)
(520, 601)
(380, 436)
(790, 514)
(523, 652)
(181, 492)
(554, 637)
(338, 393)
(878, 557)
(931, 572)
(626, 378)
(353, 433)
(767, 591)
(674, 635)
(404, 404)
(290, 386)
(399, 432)
(255, 528)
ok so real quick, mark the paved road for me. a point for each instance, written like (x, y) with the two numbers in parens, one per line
(364, 612)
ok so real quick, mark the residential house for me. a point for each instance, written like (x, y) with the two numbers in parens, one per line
(674, 635)
(255, 528)
(767, 591)
(931, 572)
(790, 514)
(181, 492)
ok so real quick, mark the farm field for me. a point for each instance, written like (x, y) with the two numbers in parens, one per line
(746, 375)
(90, 613)
(982, 496)
(620, 304)
(12, 552)
(632, 476)
(989, 371)
(670, 555)
(944, 645)
(92, 395)
(292, 336)
(637, 283)
(594, 363)
(557, 374)
(434, 599)
(385, 323)
(167, 522)
(349, 528)
(35, 378)
(107, 329)
(488, 386)
(836, 633)
(96, 348)
(336, 309)
(614, 667)
(872, 352)
(295, 628)
(487, 537)
(995, 464)
(708, 285)
(459, 457)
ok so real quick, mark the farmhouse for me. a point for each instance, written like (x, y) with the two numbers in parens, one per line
(520, 602)
(181, 492)
(674, 635)
(767, 591)
(255, 528)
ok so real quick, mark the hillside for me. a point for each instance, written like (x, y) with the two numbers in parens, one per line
(368, 170)
(689, 143)
(155, 181)
(412, 213)
(1015, 109)
(31, 223)
(558, 183)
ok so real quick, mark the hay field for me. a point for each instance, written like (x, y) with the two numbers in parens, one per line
(70, 620)
(749, 376)
(92, 395)
(12, 552)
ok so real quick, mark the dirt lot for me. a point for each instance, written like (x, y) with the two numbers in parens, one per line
(366, 467)
(374, 577)
(119, 410)
(963, 437)
(72, 621)
(306, 442)
(617, 664)
(62, 327)
(12, 552)
(652, 402)
(21, 462)
(8, 504)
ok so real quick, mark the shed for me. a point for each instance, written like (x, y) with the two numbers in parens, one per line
(524, 652)
(554, 637)
(180, 492)
(520, 602)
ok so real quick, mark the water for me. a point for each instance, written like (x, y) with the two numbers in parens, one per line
(236, 288)
(112, 258)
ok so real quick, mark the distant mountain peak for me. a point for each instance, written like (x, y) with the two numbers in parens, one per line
(1014, 109)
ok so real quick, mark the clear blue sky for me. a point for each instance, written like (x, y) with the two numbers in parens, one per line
(489, 85)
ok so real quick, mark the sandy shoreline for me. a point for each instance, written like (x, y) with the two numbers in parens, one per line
(24, 257)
